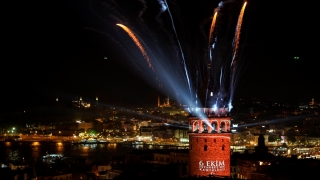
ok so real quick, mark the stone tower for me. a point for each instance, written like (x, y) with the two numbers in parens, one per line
(209, 144)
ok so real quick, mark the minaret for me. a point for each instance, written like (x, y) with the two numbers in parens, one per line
(57, 102)
(80, 100)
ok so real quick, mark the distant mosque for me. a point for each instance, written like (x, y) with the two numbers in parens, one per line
(313, 104)
(166, 103)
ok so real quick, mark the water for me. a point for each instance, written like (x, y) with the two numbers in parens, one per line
(33, 151)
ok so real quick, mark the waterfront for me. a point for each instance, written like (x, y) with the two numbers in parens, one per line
(34, 151)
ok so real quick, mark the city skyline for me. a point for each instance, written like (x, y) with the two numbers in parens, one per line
(65, 50)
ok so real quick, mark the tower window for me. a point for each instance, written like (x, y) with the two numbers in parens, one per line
(222, 147)
(205, 147)
(214, 140)
(205, 140)
(222, 140)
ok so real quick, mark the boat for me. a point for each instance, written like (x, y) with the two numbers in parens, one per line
(138, 142)
(52, 156)
(90, 141)
(133, 142)
(102, 141)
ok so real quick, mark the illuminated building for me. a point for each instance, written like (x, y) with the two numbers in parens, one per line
(209, 145)
(146, 131)
(85, 125)
(179, 156)
(313, 104)
(80, 103)
(181, 135)
(16, 166)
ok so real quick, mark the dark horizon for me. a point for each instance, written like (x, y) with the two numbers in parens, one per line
(59, 50)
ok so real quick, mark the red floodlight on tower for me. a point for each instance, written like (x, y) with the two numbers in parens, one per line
(209, 145)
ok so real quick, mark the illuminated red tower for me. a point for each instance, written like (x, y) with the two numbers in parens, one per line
(209, 144)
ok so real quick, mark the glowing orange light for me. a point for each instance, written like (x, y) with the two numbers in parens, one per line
(137, 42)
(213, 23)
(237, 38)
(35, 143)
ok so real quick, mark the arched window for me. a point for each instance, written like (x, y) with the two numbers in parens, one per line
(213, 126)
(205, 127)
(205, 147)
(223, 147)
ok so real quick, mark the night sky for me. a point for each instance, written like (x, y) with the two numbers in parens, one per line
(57, 49)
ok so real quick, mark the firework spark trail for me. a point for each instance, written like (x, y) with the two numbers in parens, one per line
(212, 27)
(221, 72)
(163, 70)
(182, 55)
(144, 4)
(237, 37)
(163, 5)
(162, 9)
(235, 50)
(137, 42)
(211, 46)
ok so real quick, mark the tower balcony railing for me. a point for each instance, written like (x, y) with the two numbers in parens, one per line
(211, 132)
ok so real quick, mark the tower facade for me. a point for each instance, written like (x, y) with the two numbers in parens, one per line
(209, 144)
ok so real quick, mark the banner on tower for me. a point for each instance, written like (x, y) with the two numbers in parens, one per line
(213, 166)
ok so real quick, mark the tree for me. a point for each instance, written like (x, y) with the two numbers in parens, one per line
(13, 155)
(278, 140)
(91, 132)
(303, 141)
(291, 139)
